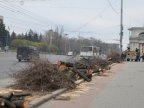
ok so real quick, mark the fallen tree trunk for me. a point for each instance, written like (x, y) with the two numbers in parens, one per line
(20, 103)
(7, 103)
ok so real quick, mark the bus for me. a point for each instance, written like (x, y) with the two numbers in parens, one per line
(89, 51)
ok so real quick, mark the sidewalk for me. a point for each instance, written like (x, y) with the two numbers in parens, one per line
(122, 88)
(126, 90)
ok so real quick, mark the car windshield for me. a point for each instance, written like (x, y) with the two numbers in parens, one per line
(86, 49)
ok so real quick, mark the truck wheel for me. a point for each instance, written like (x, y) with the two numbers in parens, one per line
(19, 60)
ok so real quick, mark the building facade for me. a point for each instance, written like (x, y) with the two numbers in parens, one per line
(136, 39)
(1, 19)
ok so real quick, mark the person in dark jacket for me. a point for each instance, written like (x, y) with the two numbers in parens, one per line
(142, 57)
(137, 54)
(123, 56)
(136, 50)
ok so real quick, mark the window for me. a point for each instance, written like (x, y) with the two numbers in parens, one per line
(86, 49)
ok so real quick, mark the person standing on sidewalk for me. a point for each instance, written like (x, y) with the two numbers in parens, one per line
(142, 57)
(137, 54)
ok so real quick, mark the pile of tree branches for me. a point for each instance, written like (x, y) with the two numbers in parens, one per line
(114, 57)
(42, 76)
(96, 64)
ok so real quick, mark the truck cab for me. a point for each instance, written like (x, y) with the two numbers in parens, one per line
(27, 53)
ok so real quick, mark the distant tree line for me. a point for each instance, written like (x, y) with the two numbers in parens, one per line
(4, 35)
(52, 41)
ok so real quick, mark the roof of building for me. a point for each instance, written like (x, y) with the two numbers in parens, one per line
(1, 17)
(136, 28)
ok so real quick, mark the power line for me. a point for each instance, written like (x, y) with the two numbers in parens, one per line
(29, 12)
(99, 14)
(112, 7)
(19, 10)
(26, 25)
(93, 19)
(24, 12)
(15, 10)
(12, 8)
(93, 32)
(21, 0)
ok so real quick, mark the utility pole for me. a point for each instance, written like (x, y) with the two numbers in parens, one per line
(66, 43)
(121, 26)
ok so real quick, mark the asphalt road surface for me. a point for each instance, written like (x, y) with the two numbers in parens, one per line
(121, 87)
(9, 64)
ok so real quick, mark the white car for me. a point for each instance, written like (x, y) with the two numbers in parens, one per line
(70, 53)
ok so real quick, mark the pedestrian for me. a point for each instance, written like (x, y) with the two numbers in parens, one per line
(142, 57)
(136, 50)
(123, 56)
(137, 54)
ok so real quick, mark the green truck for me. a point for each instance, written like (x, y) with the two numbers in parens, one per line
(27, 53)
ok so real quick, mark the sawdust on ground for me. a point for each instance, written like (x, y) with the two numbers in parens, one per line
(81, 89)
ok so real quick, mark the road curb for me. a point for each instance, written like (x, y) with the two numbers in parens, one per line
(37, 102)
(43, 99)
(46, 98)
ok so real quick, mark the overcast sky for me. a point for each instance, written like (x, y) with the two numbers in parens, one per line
(88, 18)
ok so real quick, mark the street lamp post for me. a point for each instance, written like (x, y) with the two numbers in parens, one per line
(51, 34)
(66, 43)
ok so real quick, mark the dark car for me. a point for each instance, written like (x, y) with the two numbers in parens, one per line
(27, 53)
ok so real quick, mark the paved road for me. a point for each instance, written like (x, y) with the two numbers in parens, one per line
(123, 88)
(126, 90)
(9, 63)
